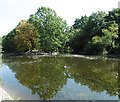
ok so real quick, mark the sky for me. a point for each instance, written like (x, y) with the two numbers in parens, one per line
(13, 11)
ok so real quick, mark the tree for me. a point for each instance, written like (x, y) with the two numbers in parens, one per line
(53, 31)
(108, 41)
(8, 45)
(80, 23)
(110, 35)
(86, 27)
(114, 16)
(26, 38)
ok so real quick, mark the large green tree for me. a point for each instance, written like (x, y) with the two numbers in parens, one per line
(54, 32)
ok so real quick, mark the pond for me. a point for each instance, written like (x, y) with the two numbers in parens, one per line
(60, 78)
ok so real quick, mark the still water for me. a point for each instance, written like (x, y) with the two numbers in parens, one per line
(60, 78)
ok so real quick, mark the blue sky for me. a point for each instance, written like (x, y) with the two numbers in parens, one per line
(12, 11)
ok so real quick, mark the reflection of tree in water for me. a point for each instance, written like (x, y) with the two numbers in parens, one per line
(98, 75)
(44, 77)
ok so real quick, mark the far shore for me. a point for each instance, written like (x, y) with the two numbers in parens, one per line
(35, 55)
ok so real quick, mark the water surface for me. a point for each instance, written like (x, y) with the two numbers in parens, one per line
(60, 78)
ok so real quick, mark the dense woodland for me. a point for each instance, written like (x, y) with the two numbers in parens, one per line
(45, 31)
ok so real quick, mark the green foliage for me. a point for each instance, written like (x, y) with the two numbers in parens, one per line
(114, 16)
(81, 23)
(110, 34)
(54, 32)
(88, 27)
(8, 42)
(107, 41)
(98, 34)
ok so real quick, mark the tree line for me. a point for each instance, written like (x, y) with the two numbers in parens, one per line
(45, 31)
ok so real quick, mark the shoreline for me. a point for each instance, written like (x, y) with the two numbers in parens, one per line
(35, 56)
